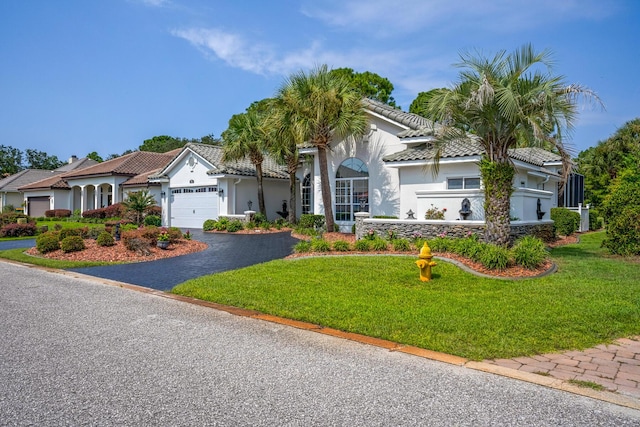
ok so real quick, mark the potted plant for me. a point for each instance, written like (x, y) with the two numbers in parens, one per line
(163, 240)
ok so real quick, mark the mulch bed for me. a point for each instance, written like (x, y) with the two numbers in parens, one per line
(119, 253)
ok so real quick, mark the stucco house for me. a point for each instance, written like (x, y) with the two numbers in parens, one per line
(96, 186)
(196, 185)
(9, 186)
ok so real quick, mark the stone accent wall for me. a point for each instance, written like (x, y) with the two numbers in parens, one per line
(430, 229)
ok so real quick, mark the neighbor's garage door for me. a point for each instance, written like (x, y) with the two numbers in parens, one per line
(37, 205)
(191, 207)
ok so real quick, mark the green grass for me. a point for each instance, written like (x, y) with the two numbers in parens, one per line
(594, 298)
(19, 255)
(51, 225)
(587, 384)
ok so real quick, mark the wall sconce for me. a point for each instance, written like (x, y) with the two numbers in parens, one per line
(221, 192)
(162, 194)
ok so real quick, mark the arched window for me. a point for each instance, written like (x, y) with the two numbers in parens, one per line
(306, 194)
(352, 189)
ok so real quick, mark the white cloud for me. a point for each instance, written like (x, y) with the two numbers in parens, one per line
(156, 3)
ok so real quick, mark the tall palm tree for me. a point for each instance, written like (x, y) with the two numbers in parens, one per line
(284, 146)
(327, 108)
(246, 137)
(508, 101)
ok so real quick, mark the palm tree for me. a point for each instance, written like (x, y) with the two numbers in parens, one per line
(324, 107)
(502, 103)
(139, 202)
(246, 136)
(284, 145)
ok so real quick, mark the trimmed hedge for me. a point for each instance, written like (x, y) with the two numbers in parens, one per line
(57, 213)
(565, 222)
(72, 244)
(105, 239)
(48, 242)
(18, 230)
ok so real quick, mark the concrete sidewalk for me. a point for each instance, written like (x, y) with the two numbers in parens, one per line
(615, 366)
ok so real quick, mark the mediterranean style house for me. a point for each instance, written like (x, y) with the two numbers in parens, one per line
(387, 172)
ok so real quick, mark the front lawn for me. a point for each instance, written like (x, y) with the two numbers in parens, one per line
(19, 255)
(593, 299)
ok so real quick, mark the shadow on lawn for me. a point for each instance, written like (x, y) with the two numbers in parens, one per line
(575, 251)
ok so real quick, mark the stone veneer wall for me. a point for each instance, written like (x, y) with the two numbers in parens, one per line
(430, 229)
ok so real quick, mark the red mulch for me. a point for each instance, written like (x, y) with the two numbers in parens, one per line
(118, 252)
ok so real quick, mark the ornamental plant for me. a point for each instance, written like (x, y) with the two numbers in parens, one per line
(435, 213)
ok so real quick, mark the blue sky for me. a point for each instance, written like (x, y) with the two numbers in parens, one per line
(78, 76)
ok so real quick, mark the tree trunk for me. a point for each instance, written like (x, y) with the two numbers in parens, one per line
(263, 210)
(292, 198)
(326, 188)
(498, 187)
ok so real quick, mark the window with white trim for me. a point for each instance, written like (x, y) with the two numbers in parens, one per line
(463, 183)
(306, 194)
(352, 189)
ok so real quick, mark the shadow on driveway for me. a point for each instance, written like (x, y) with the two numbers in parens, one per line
(225, 252)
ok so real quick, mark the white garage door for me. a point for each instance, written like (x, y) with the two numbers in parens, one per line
(191, 207)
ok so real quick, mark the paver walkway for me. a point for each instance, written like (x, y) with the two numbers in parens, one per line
(614, 366)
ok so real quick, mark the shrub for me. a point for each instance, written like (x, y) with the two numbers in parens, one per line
(493, 257)
(105, 239)
(66, 232)
(565, 222)
(402, 245)
(249, 225)
(143, 236)
(468, 247)
(259, 218)
(209, 225)
(153, 220)
(8, 208)
(18, 230)
(48, 242)
(370, 234)
(265, 225)
(12, 218)
(94, 233)
(72, 244)
(385, 216)
(442, 244)
(529, 252)
(595, 222)
(320, 245)
(311, 221)
(434, 213)
(621, 210)
(341, 246)
(174, 234)
(221, 224)
(57, 213)
(234, 226)
(362, 245)
(379, 244)
(302, 246)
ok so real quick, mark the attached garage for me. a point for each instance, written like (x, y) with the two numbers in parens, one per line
(37, 206)
(192, 206)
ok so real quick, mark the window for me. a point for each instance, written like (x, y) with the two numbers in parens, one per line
(306, 194)
(573, 193)
(463, 183)
(352, 189)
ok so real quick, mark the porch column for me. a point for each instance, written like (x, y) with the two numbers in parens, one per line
(83, 195)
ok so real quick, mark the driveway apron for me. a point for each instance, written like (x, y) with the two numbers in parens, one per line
(225, 252)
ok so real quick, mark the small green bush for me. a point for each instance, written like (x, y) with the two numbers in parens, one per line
(105, 239)
(362, 245)
(565, 222)
(259, 218)
(234, 226)
(152, 220)
(67, 232)
(302, 246)
(379, 244)
(95, 232)
(401, 245)
(468, 247)
(250, 225)
(48, 242)
(209, 225)
(341, 246)
(320, 245)
(72, 244)
(222, 223)
(493, 257)
(529, 252)
(312, 221)
(442, 244)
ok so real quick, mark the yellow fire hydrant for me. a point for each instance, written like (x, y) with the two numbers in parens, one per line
(425, 263)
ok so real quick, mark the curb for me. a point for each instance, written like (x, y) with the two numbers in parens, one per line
(542, 380)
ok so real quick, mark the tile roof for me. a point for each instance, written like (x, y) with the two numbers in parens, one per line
(56, 181)
(412, 121)
(214, 154)
(531, 155)
(77, 164)
(24, 177)
(130, 164)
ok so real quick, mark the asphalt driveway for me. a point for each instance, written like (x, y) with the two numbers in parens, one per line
(225, 252)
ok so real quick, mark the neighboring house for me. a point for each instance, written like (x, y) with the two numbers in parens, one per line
(96, 186)
(388, 173)
(9, 186)
(197, 185)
